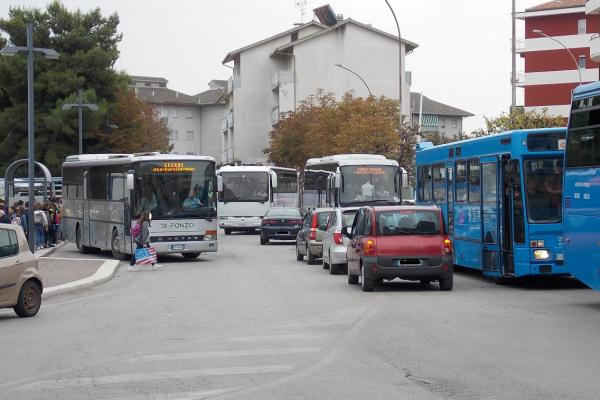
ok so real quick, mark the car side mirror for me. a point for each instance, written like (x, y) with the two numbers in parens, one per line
(130, 180)
(346, 232)
(219, 183)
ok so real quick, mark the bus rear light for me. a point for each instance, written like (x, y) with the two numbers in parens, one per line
(337, 237)
(536, 243)
(541, 254)
(210, 235)
(447, 246)
(369, 247)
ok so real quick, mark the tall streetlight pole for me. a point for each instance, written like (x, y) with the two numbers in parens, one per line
(359, 77)
(540, 32)
(513, 80)
(50, 54)
(399, 60)
(81, 105)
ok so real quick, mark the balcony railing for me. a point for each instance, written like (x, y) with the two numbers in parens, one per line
(275, 116)
(519, 45)
(595, 48)
(279, 77)
(519, 78)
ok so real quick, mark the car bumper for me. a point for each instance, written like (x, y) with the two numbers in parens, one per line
(374, 270)
(315, 248)
(337, 255)
(240, 223)
(205, 246)
(279, 233)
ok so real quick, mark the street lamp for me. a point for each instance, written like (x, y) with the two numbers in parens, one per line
(399, 60)
(52, 55)
(540, 32)
(81, 105)
(359, 77)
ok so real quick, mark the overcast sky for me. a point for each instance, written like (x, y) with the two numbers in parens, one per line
(463, 58)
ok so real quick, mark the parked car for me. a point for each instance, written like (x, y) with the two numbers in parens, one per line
(20, 283)
(406, 242)
(309, 241)
(334, 243)
(280, 224)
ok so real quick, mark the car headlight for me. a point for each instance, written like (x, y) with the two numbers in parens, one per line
(541, 254)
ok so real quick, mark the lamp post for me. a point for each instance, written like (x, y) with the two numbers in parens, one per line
(540, 32)
(359, 77)
(50, 54)
(399, 60)
(81, 105)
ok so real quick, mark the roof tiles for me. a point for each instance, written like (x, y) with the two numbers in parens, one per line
(557, 4)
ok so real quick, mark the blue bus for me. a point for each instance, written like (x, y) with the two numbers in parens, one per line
(501, 198)
(582, 186)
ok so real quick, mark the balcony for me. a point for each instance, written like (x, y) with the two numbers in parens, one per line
(519, 45)
(280, 77)
(224, 126)
(233, 83)
(229, 118)
(592, 7)
(520, 78)
(275, 116)
(595, 48)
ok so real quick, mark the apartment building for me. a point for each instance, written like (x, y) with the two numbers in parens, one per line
(436, 117)
(556, 52)
(272, 76)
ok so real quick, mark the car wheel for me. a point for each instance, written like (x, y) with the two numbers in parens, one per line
(310, 259)
(326, 265)
(79, 241)
(191, 255)
(352, 279)
(115, 246)
(227, 231)
(446, 284)
(263, 240)
(299, 256)
(366, 284)
(30, 299)
(333, 268)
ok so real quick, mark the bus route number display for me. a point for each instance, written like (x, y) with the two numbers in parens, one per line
(172, 167)
(369, 171)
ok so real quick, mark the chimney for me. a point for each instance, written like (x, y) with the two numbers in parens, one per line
(339, 17)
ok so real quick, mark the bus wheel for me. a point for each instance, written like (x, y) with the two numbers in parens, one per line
(191, 255)
(79, 241)
(115, 246)
(227, 231)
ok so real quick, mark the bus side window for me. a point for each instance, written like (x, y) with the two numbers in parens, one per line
(474, 181)
(427, 183)
(439, 183)
(518, 216)
(461, 181)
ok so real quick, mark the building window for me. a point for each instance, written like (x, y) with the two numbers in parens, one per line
(581, 27)
(581, 62)
(147, 84)
(189, 135)
(454, 123)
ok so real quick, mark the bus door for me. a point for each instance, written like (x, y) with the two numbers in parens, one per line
(490, 204)
(450, 199)
(85, 206)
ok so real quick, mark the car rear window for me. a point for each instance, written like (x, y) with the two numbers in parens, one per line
(348, 218)
(408, 222)
(283, 213)
(322, 217)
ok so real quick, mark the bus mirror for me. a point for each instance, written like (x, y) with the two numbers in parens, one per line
(130, 181)
(219, 183)
(273, 179)
(338, 180)
(404, 179)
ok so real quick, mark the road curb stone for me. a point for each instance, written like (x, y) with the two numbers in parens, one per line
(105, 273)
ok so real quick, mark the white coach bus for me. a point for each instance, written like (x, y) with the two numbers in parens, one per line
(250, 190)
(103, 195)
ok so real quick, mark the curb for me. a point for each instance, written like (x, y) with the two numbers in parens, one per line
(47, 252)
(105, 273)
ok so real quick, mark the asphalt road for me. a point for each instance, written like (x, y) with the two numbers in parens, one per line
(250, 322)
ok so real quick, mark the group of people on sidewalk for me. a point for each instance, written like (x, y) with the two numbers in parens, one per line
(46, 220)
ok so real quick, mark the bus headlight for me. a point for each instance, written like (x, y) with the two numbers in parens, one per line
(541, 254)
(210, 235)
(223, 218)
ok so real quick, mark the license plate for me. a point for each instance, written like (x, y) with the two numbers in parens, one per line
(177, 247)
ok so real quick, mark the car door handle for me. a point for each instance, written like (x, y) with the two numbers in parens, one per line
(18, 262)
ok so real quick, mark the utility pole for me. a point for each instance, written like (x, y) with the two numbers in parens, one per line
(513, 79)
(80, 106)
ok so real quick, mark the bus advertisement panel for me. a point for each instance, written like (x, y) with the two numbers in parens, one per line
(501, 199)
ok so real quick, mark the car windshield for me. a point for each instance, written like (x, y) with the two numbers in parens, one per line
(245, 186)
(348, 217)
(283, 213)
(543, 182)
(408, 222)
(322, 217)
(369, 184)
(176, 189)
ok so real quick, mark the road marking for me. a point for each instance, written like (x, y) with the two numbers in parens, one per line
(156, 376)
(227, 353)
(71, 259)
(180, 395)
(300, 336)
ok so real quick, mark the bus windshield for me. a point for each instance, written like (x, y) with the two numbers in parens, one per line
(543, 182)
(245, 186)
(176, 189)
(369, 183)
(583, 148)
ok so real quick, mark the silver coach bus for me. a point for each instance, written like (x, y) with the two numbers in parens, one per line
(103, 194)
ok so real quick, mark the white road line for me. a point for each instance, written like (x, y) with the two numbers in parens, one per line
(299, 336)
(156, 376)
(70, 259)
(227, 353)
(180, 395)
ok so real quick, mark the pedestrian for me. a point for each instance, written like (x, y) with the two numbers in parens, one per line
(4, 219)
(41, 225)
(56, 223)
(141, 236)
(47, 227)
(51, 242)
(22, 214)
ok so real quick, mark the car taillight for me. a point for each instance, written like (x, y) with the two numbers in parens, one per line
(295, 222)
(447, 246)
(313, 228)
(369, 247)
(337, 237)
(268, 222)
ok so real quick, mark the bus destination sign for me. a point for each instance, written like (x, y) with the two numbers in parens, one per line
(173, 167)
(369, 171)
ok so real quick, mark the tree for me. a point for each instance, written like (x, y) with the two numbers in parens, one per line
(87, 44)
(518, 119)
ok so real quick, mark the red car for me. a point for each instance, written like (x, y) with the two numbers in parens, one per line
(405, 242)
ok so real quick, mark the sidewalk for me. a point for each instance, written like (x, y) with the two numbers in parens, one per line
(67, 275)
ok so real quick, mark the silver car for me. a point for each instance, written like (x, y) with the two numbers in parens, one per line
(334, 243)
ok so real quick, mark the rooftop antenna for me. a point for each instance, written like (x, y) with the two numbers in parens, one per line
(301, 5)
